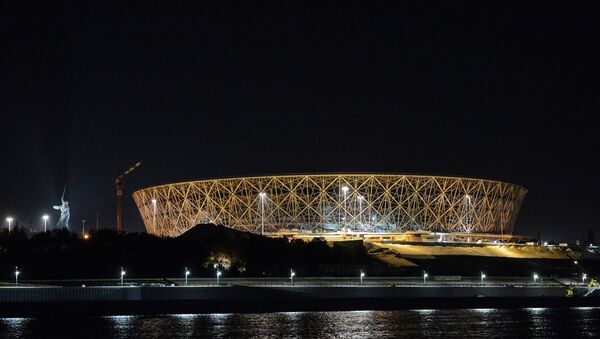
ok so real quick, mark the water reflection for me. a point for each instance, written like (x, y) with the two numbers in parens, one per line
(530, 322)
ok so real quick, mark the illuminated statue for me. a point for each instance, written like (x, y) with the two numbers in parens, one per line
(64, 211)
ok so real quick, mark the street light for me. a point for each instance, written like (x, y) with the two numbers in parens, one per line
(9, 220)
(218, 276)
(482, 277)
(154, 214)
(425, 275)
(535, 277)
(345, 190)
(362, 275)
(17, 272)
(45, 217)
(292, 274)
(583, 277)
(262, 196)
(122, 275)
(187, 272)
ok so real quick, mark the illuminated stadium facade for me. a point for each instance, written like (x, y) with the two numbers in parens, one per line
(330, 203)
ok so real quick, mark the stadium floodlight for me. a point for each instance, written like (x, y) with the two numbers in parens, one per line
(292, 274)
(482, 277)
(218, 276)
(187, 272)
(9, 220)
(17, 272)
(425, 275)
(362, 275)
(122, 275)
(535, 277)
(45, 217)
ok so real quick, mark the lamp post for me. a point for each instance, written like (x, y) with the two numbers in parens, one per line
(262, 196)
(425, 275)
(344, 191)
(482, 277)
(362, 275)
(187, 272)
(535, 277)
(122, 275)
(45, 217)
(218, 276)
(9, 220)
(17, 272)
(154, 214)
(292, 274)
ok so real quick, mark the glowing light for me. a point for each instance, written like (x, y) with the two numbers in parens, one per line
(17, 272)
(218, 276)
(187, 273)
(535, 277)
(482, 277)
(86, 236)
(45, 217)
(9, 220)
(425, 275)
(122, 275)
(292, 275)
(362, 275)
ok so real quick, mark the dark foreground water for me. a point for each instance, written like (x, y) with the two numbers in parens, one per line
(530, 322)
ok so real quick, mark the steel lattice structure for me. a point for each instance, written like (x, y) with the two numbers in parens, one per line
(333, 202)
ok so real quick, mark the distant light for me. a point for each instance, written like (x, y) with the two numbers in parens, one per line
(545, 243)
(535, 277)
(154, 201)
(45, 217)
(360, 197)
(362, 274)
(345, 188)
(483, 275)
(575, 262)
(187, 272)
(86, 236)
(262, 194)
(9, 219)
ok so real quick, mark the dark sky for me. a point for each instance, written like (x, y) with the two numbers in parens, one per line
(483, 89)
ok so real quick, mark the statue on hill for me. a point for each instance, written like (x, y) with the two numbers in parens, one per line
(64, 211)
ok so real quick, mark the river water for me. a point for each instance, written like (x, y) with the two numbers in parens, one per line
(461, 323)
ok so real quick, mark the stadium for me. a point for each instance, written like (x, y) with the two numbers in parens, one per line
(388, 206)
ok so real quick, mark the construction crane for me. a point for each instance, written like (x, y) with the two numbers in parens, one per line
(119, 184)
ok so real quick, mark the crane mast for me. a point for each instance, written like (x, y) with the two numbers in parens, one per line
(119, 185)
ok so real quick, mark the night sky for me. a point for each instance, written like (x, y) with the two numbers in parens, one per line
(483, 89)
